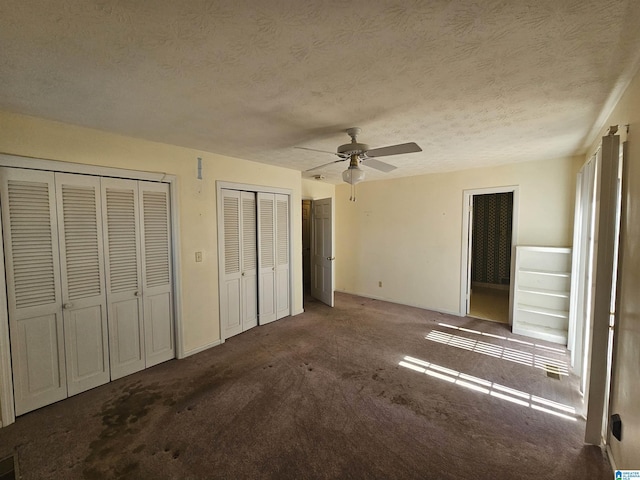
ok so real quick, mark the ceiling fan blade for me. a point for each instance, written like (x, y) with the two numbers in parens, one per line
(325, 165)
(394, 150)
(316, 150)
(378, 165)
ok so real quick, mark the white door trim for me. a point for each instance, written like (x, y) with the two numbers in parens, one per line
(7, 409)
(6, 384)
(465, 264)
(224, 185)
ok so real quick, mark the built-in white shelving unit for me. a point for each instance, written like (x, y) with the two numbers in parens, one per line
(541, 293)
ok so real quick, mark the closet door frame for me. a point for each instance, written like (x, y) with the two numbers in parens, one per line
(7, 410)
(222, 185)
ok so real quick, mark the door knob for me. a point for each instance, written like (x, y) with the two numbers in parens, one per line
(242, 274)
(331, 258)
(137, 294)
(67, 306)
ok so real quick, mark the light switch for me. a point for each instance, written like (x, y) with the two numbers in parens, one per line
(198, 256)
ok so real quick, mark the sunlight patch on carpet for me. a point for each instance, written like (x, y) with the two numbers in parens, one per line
(490, 388)
(554, 365)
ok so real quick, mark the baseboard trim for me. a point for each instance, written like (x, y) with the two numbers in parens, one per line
(374, 297)
(203, 348)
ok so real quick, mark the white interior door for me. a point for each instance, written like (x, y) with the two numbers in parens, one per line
(123, 276)
(322, 252)
(34, 293)
(605, 267)
(83, 291)
(267, 262)
(283, 304)
(583, 245)
(249, 262)
(157, 284)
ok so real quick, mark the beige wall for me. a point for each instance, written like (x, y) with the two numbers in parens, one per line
(315, 190)
(407, 232)
(33, 137)
(625, 393)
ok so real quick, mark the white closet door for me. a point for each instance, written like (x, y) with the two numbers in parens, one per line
(121, 225)
(282, 256)
(249, 262)
(231, 297)
(156, 272)
(33, 288)
(267, 262)
(239, 290)
(83, 292)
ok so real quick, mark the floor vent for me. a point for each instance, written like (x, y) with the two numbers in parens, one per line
(7, 469)
(552, 371)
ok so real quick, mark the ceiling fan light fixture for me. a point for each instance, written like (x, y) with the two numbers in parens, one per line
(353, 175)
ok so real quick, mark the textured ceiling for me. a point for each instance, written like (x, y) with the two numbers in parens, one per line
(474, 83)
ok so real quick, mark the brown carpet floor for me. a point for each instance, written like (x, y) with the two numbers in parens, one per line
(325, 395)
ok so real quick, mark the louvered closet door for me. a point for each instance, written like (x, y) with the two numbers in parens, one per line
(121, 225)
(239, 290)
(231, 297)
(157, 284)
(33, 288)
(266, 258)
(249, 262)
(83, 291)
(282, 256)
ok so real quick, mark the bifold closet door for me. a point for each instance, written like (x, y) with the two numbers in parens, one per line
(139, 279)
(273, 250)
(266, 259)
(83, 291)
(34, 292)
(121, 220)
(239, 301)
(157, 277)
(283, 303)
(249, 261)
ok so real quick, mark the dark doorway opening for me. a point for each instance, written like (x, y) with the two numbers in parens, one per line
(491, 256)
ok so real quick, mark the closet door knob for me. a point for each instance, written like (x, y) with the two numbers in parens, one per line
(67, 306)
(137, 294)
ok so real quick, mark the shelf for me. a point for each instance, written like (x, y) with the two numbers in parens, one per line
(554, 335)
(550, 312)
(542, 291)
(545, 272)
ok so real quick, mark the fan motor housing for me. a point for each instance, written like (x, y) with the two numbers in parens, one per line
(353, 147)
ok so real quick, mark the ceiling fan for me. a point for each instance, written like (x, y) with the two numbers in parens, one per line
(358, 153)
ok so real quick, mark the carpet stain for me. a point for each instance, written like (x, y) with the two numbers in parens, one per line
(121, 421)
(400, 399)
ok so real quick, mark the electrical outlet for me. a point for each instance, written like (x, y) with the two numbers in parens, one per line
(198, 256)
(380, 283)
